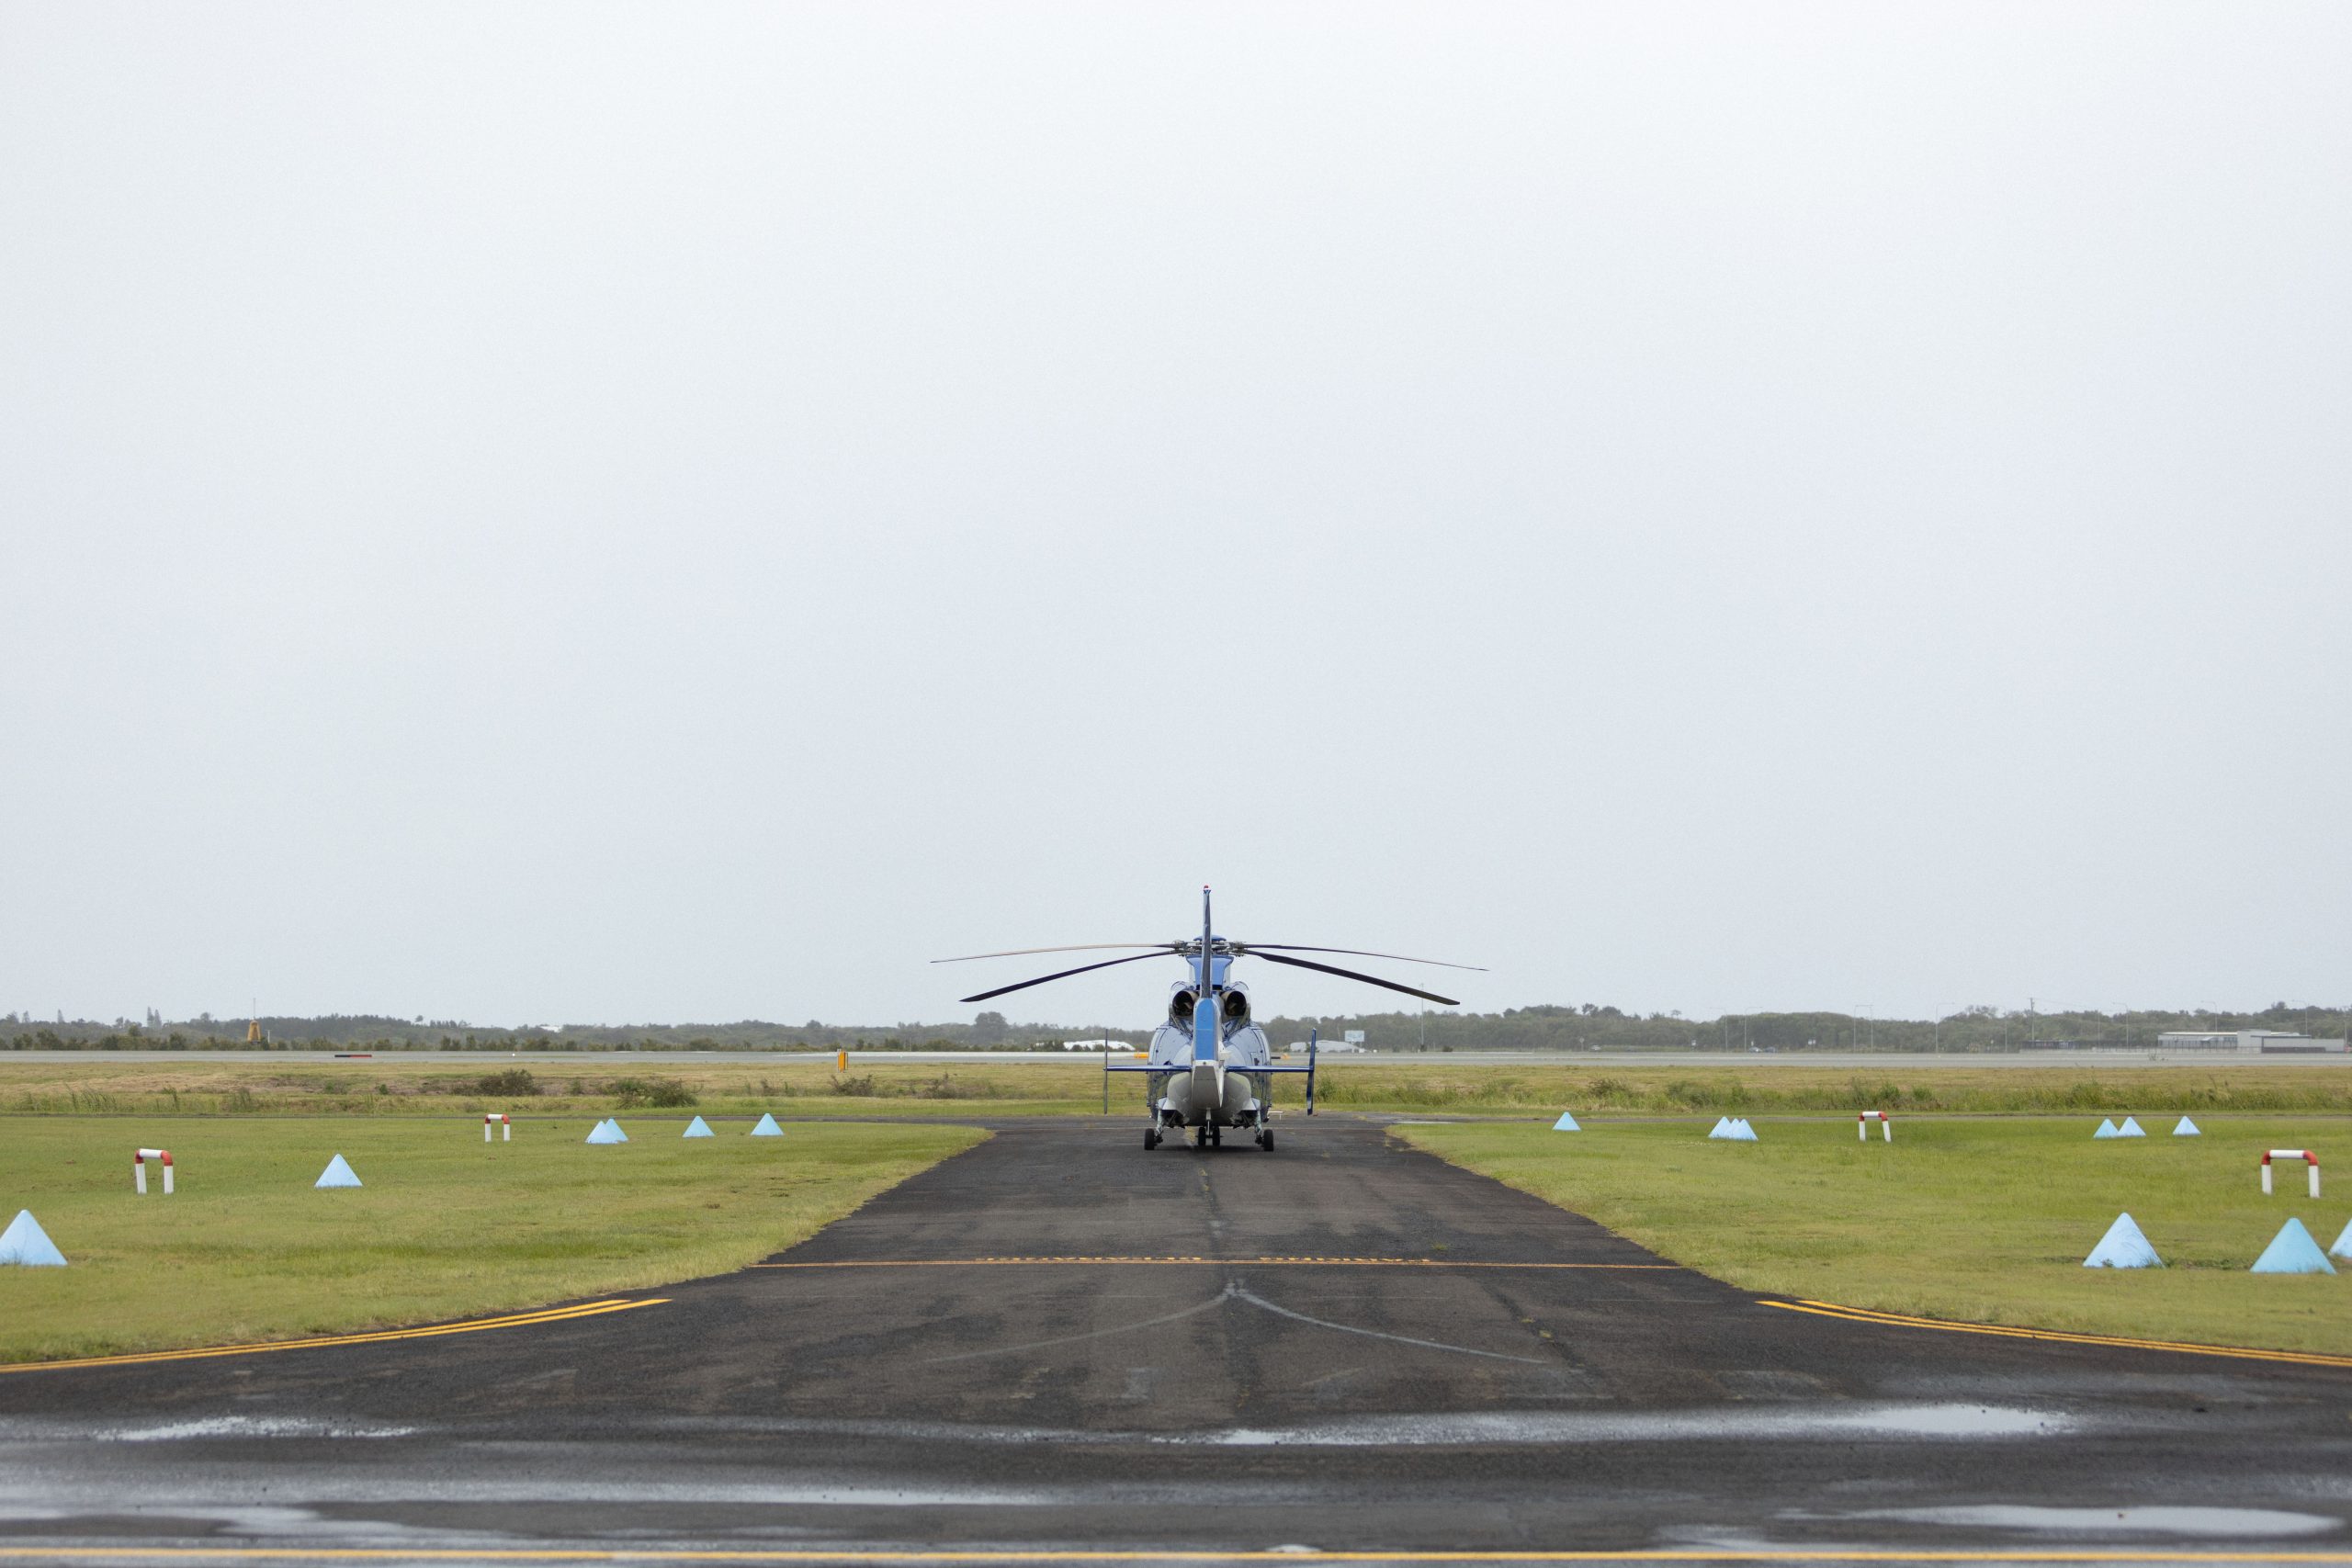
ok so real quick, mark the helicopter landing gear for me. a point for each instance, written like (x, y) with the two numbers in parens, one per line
(1266, 1138)
(1151, 1137)
(1217, 1137)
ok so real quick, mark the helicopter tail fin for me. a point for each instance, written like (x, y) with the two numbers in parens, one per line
(1207, 1031)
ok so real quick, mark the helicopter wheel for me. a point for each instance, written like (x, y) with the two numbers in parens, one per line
(1217, 1137)
(1266, 1139)
(1151, 1137)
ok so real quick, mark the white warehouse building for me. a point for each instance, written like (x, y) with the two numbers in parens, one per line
(2247, 1041)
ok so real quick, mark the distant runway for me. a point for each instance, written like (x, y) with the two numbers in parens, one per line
(1887, 1061)
(1058, 1342)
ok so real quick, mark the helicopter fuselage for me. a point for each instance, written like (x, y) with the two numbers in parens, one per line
(1217, 1089)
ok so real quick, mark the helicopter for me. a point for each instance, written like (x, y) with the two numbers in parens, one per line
(1210, 1066)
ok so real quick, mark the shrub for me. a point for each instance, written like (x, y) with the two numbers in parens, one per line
(863, 1087)
(513, 1081)
(944, 1087)
(660, 1093)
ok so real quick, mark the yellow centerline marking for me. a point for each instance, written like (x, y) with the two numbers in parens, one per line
(1254, 1262)
(1897, 1320)
(626, 1554)
(431, 1331)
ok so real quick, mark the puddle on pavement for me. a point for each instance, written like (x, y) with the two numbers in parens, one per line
(2233, 1523)
(1924, 1421)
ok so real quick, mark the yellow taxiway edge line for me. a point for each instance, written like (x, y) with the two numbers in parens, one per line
(625, 1555)
(2002, 1331)
(1255, 1262)
(431, 1331)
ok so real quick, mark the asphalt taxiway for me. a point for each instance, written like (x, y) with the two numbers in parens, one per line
(1058, 1342)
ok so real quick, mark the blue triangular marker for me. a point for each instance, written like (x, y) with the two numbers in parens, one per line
(699, 1128)
(1741, 1131)
(338, 1173)
(2106, 1128)
(2184, 1128)
(2343, 1247)
(2292, 1251)
(2123, 1246)
(1722, 1128)
(1567, 1123)
(767, 1128)
(2130, 1128)
(608, 1132)
(24, 1242)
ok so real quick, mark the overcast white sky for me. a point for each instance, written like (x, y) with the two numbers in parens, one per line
(613, 512)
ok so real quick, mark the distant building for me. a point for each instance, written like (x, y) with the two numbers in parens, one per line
(2246, 1042)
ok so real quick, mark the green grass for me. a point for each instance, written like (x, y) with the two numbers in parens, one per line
(557, 1085)
(1784, 1085)
(1986, 1220)
(446, 1226)
(392, 1086)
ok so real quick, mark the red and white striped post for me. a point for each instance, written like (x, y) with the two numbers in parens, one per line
(139, 1158)
(2304, 1154)
(1862, 1125)
(504, 1124)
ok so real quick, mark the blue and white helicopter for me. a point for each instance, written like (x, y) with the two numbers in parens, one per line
(1209, 1067)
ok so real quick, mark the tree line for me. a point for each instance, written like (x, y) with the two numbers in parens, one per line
(1587, 1027)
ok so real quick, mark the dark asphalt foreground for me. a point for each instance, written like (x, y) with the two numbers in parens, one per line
(940, 1400)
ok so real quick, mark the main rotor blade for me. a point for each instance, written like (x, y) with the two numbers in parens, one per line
(1063, 975)
(1354, 952)
(1348, 975)
(1074, 947)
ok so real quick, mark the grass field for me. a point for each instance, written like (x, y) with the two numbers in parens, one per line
(560, 1087)
(1986, 1220)
(1785, 1085)
(1980, 1216)
(446, 1225)
(444, 1086)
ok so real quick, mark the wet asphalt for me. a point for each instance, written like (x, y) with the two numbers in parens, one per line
(1059, 1341)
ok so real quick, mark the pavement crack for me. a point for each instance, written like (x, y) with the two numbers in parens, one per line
(1198, 1307)
(1263, 1304)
